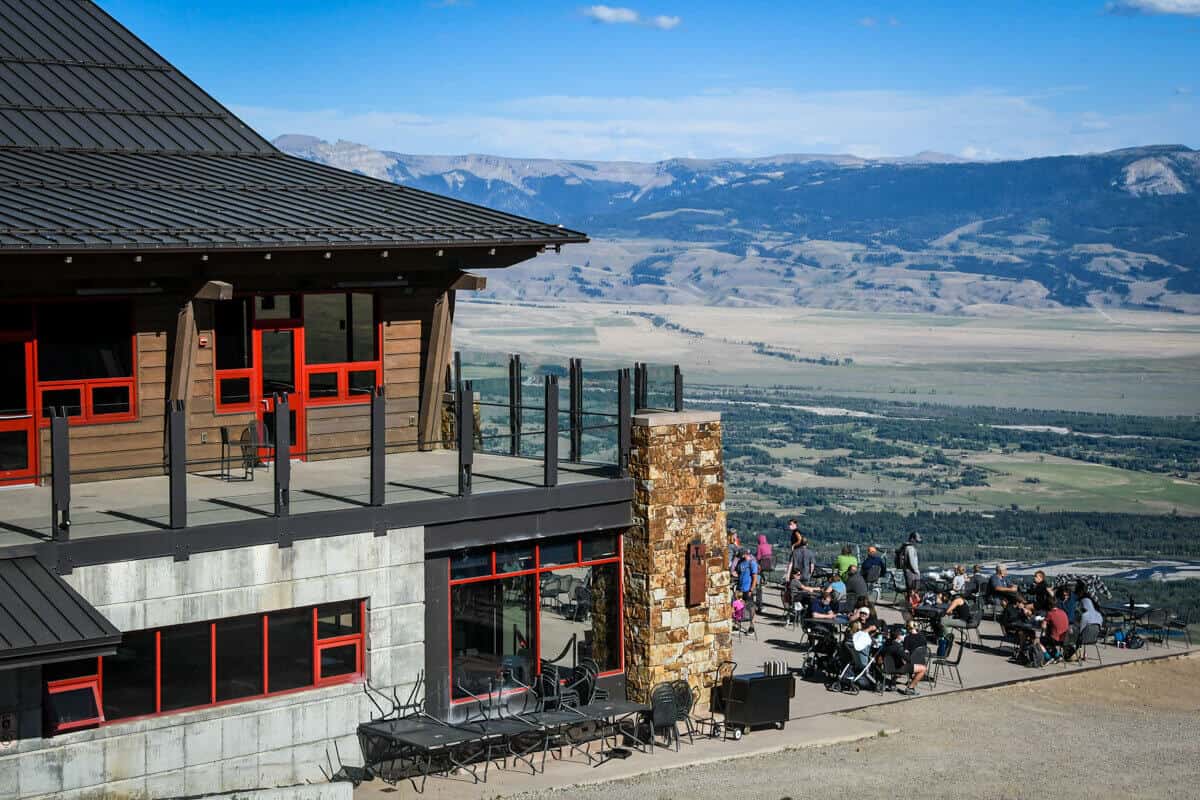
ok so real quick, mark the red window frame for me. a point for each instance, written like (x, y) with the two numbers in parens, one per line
(73, 685)
(538, 569)
(341, 369)
(96, 682)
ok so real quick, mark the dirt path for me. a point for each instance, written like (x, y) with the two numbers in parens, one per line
(1131, 731)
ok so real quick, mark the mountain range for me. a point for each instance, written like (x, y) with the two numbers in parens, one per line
(929, 233)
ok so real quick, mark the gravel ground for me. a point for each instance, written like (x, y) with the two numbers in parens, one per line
(1131, 731)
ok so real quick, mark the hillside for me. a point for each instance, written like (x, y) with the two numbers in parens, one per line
(929, 233)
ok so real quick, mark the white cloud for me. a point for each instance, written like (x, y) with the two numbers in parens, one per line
(868, 22)
(748, 122)
(618, 15)
(611, 15)
(1185, 8)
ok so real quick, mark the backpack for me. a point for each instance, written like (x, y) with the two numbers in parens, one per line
(900, 560)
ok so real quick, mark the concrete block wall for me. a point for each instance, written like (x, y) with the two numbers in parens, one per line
(254, 744)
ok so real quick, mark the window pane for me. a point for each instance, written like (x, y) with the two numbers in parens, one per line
(110, 400)
(492, 630)
(327, 334)
(514, 558)
(77, 341)
(470, 564)
(289, 649)
(340, 660)
(232, 334)
(363, 343)
(323, 384)
(129, 677)
(362, 381)
(65, 670)
(16, 317)
(580, 617)
(279, 362)
(13, 381)
(563, 551)
(62, 398)
(239, 657)
(235, 390)
(186, 666)
(74, 705)
(601, 545)
(338, 619)
(277, 306)
(14, 450)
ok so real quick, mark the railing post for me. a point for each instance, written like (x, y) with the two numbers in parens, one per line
(464, 405)
(576, 411)
(177, 462)
(637, 385)
(283, 456)
(60, 475)
(678, 388)
(378, 445)
(550, 450)
(515, 401)
(624, 423)
(457, 371)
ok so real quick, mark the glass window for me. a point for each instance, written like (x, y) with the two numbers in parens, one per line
(16, 317)
(14, 385)
(279, 362)
(277, 306)
(14, 450)
(514, 558)
(563, 551)
(234, 390)
(339, 328)
(239, 657)
(186, 666)
(362, 381)
(289, 649)
(68, 670)
(601, 545)
(79, 341)
(338, 619)
(323, 384)
(338, 660)
(492, 630)
(580, 616)
(73, 706)
(129, 677)
(69, 399)
(110, 400)
(232, 334)
(470, 564)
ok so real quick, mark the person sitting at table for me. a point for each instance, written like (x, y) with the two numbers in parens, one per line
(915, 648)
(1065, 599)
(1088, 613)
(838, 586)
(1011, 613)
(893, 659)
(1043, 597)
(822, 605)
(864, 612)
(843, 562)
(856, 585)
(958, 584)
(1054, 635)
(1001, 586)
(957, 614)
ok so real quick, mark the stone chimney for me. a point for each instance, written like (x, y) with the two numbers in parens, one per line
(679, 498)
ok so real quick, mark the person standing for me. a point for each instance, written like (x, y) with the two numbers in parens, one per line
(764, 554)
(910, 563)
(747, 581)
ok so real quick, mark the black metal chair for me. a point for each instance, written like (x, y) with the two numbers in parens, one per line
(1089, 636)
(1179, 622)
(950, 665)
(685, 701)
(664, 716)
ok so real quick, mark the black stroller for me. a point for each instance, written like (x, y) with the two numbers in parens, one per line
(858, 670)
(822, 659)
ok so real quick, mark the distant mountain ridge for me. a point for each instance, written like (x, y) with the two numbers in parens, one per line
(930, 232)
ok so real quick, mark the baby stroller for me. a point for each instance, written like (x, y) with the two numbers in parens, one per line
(822, 657)
(858, 670)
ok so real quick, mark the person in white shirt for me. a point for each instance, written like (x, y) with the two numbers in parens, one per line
(960, 579)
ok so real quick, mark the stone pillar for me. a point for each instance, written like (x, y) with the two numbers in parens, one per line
(679, 497)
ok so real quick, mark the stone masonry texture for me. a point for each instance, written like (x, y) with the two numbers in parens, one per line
(679, 497)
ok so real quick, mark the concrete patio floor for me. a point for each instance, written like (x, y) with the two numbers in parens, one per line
(104, 508)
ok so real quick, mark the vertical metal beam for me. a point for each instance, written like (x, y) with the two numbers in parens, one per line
(550, 449)
(283, 456)
(575, 417)
(624, 422)
(465, 427)
(457, 372)
(177, 462)
(678, 388)
(378, 445)
(60, 475)
(515, 401)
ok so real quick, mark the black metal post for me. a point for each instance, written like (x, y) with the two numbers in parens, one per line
(378, 445)
(283, 456)
(457, 371)
(465, 424)
(550, 450)
(637, 385)
(575, 416)
(177, 462)
(678, 388)
(515, 401)
(60, 475)
(624, 423)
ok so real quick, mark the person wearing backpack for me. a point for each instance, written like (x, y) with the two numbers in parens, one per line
(907, 562)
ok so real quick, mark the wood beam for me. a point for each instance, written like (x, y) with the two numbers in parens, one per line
(437, 361)
(466, 282)
(184, 353)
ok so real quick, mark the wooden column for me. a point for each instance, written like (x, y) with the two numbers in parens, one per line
(437, 359)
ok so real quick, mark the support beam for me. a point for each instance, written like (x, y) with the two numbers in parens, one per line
(466, 282)
(550, 446)
(183, 355)
(378, 445)
(177, 463)
(464, 409)
(437, 358)
(60, 475)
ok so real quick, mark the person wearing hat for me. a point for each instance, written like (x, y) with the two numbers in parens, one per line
(746, 574)
(912, 567)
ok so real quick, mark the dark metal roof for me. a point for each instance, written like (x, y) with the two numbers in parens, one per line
(106, 146)
(43, 620)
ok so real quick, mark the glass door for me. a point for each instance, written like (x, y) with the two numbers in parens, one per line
(18, 428)
(279, 373)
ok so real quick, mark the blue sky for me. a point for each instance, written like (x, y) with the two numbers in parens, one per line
(664, 78)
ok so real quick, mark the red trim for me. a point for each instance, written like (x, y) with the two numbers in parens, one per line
(158, 672)
(621, 597)
(73, 685)
(212, 663)
(266, 658)
(27, 423)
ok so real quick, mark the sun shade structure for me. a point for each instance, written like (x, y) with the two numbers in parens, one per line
(104, 146)
(43, 620)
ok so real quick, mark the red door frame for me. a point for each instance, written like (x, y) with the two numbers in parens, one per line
(27, 422)
(266, 404)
